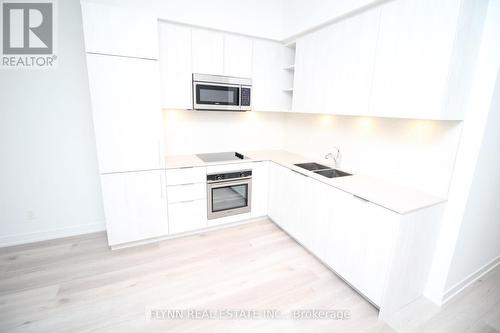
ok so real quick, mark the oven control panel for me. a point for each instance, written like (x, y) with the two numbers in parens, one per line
(232, 175)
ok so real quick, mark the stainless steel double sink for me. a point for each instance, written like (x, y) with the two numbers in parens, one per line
(322, 170)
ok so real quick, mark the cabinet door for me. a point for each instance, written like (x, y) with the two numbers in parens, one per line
(260, 188)
(237, 56)
(175, 66)
(134, 205)
(119, 31)
(267, 78)
(413, 56)
(375, 232)
(305, 80)
(333, 67)
(126, 112)
(360, 238)
(277, 202)
(207, 52)
(187, 216)
(347, 68)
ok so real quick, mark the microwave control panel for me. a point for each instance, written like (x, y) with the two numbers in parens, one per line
(245, 96)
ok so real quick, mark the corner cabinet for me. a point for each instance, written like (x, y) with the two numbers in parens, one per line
(362, 242)
(135, 206)
(268, 77)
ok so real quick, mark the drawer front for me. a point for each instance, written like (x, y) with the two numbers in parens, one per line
(186, 176)
(177, 193)
(187, 216)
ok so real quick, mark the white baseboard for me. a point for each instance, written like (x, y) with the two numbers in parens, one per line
(38, 236)
(469, 280)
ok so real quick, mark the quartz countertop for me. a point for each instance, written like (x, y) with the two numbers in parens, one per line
(395, 197)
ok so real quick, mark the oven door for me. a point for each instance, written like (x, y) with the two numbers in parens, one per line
(228, 198)
(214, 96)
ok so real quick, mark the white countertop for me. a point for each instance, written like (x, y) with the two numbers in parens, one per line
(397, 198)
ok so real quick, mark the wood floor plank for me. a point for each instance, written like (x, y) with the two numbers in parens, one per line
(78, 285)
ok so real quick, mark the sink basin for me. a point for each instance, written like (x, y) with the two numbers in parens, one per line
(332, 173)
(311, 166)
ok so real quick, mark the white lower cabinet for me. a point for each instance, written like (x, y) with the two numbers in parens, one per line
(356, 238)
(260, 188)
(187, 216)
(135, 205)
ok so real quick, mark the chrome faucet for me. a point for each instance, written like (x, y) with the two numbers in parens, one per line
(335, 156)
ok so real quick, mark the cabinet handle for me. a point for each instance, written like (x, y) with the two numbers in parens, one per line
(185, 201)
(360, 198)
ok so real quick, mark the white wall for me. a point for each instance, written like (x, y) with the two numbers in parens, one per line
(462, 205)
(261, 18)
(273, 19)
(191, 132)
(416, 153)
(478, 243)
(300, 15)
(49, 183)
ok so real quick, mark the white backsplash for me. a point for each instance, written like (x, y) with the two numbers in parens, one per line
(416, 153)
(192, 132)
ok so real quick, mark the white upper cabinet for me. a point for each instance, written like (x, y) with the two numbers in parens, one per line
(119, 31)
(207, 51)
(135, 205)
(237, 56)
(267, 77)
(308, 78)
(175, 66)
(333, 67)
(126, 112)
(413, 57)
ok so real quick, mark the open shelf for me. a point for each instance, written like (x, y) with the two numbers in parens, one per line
(288, 89)
(289, 68)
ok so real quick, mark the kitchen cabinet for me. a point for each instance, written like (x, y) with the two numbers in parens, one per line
(115, 30)
(175, 66)
(187, 215)
(207, 51)
(187, 199)
(126, 112)
(333, 66)
(237, 56)
(135, 206)
(268, 77)
(277, 200)
(356, 238)
(260, 180)
(413, 58)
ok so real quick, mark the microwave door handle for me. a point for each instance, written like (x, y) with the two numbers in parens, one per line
(240, 93)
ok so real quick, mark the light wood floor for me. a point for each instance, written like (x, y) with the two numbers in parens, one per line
(78, 285)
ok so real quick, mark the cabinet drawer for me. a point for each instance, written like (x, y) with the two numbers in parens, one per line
(186, 192)
(186, 176)
(187, 216)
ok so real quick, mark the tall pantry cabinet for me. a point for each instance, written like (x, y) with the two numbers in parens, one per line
(123, 71)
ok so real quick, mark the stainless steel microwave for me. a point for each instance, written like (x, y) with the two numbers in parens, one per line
(223, 93)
